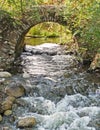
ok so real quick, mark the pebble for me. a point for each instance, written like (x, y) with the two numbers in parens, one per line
(6, 128)
(8, 112)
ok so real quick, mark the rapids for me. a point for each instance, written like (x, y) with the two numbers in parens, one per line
(60, 94)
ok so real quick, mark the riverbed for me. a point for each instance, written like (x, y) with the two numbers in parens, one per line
(60, 93)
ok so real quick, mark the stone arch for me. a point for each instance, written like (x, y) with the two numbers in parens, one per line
(40, 14)
(12, 31)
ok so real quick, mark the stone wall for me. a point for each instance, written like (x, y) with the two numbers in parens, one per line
(7, 43)
(9, 35)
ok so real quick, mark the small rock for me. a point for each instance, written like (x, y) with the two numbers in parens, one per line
(96, 62)
(5, 74)
(7, 105)
(10, 98)
(26, 75)
(26, 122)
(0, 31)
(21, 102)
(2, 80)
(15, 90)
(8, 112)
(0, 118)
(6, 128)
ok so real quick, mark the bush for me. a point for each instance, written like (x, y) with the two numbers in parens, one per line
(91, 33)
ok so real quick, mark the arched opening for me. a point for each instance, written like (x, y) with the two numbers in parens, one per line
(16, 32)
(48, 32)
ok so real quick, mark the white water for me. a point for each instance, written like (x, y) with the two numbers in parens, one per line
(58, 95)
(65, 115)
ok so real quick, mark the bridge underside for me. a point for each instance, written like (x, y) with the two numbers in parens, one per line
(12, 31)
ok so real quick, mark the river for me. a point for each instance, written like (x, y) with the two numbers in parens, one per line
(60, 94)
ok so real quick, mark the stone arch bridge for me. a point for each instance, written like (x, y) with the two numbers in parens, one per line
(13, 31)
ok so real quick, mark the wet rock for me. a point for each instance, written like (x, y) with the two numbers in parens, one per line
(0, 118)
(95, 65)
(15, 90)
(26, 75)
(21, 102)
(5, 74)
(7, 105)
(69, 90)
(58, 91)
(2, 80)
(10, 98)
(6, 128)
(26, 122)
(8, 112)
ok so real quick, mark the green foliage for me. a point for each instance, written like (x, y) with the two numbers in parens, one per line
(35, 32)
(16, 7)
(54, 34)
(91, 33)
(98, 50)
(51, 30)
(83, 18)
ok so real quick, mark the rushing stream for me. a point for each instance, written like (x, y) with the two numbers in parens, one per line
(60, 94)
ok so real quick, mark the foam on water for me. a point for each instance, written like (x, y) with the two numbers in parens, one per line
(57, 94)
(68, 114)
(81, 124)
(40, 105)
(68, 102)
(90, 111)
